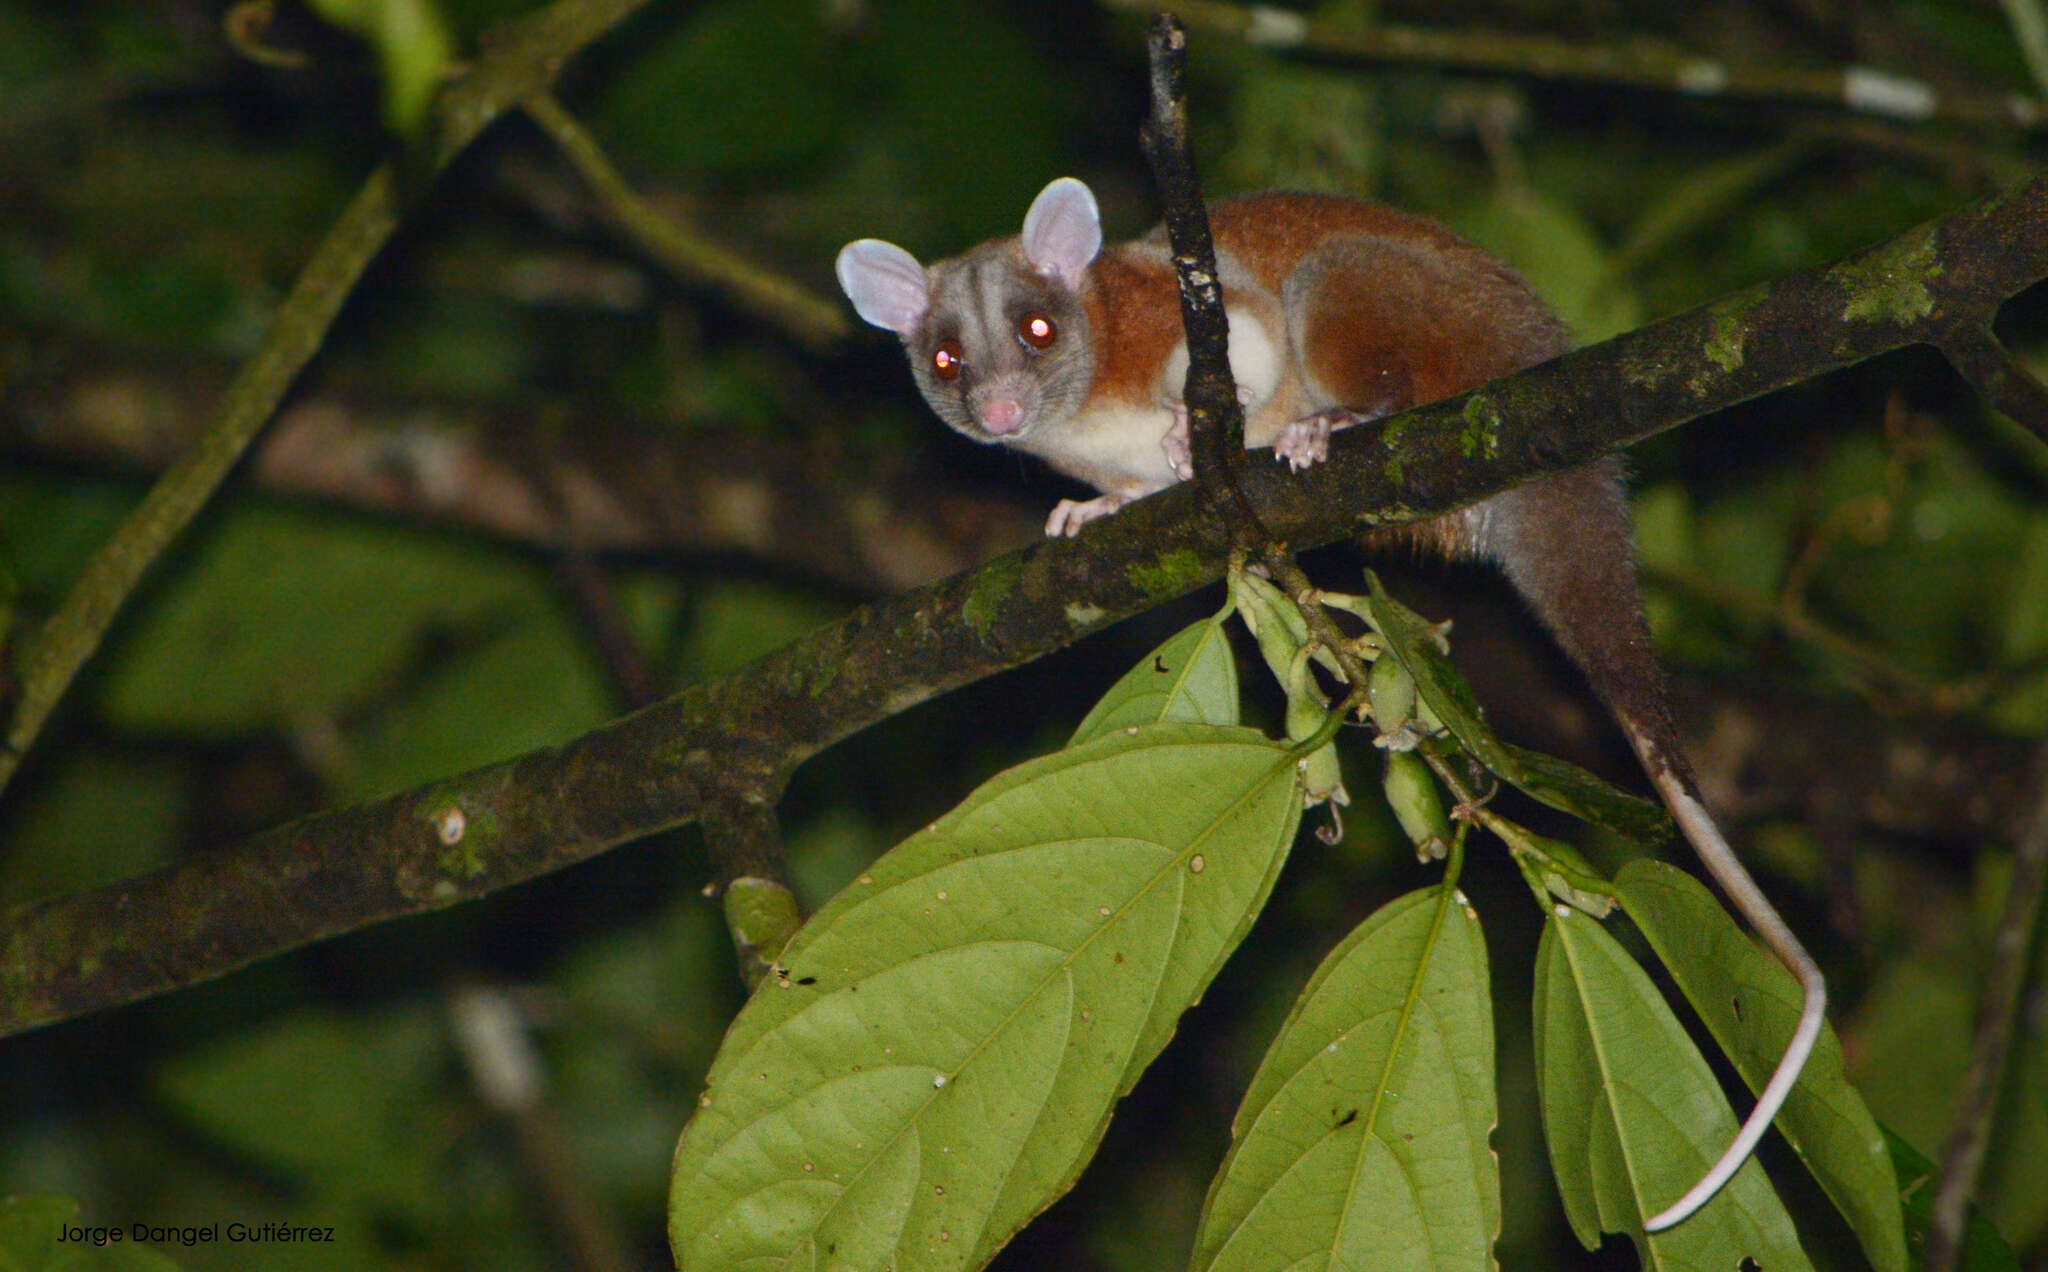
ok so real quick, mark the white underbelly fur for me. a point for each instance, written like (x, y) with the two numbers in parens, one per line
(1113, 448)
(1255, 360)
(1118, 447)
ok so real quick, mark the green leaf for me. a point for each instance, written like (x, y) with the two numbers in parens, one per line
(271, 614)
(98, 816)
(332, 1099)
(36, 44)
(942, 1054)
(1191, 678)
(730, 621)
(1912, 1028)
(1701, 198)
(1632, 1115)
(1562, 785)
(1984, 1249)
(1565, 786)
(658, 993)
(1024, 86)
(49, 528)
(1363, 1139)
(526, 686)
(29, 1228)
(1564, 259)
(674, 103)
(276, 617)
(1751, 1004)
(2022, 630)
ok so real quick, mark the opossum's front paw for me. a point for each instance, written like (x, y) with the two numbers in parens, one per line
(1069, 515)
(1180, 455)
(1305, 442)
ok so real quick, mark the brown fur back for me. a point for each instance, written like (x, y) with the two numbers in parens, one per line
(1390, 311)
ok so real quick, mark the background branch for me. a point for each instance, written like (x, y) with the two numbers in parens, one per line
(553, 478)
(1639, 65)
(691, 257)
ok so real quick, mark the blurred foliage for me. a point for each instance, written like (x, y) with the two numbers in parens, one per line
(413, 50)
(158, 190)
(45, 1234)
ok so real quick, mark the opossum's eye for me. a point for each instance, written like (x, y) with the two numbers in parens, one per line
(946, 360)
(1038, 331)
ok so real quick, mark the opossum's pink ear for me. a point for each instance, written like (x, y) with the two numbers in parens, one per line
(1063, 231)
(885, 283)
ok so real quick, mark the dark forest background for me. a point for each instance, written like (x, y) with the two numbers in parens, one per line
(1850, 579)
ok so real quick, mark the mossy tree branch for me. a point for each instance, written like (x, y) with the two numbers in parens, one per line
(473, 834)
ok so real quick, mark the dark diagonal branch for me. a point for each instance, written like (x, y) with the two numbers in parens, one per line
(481, 831)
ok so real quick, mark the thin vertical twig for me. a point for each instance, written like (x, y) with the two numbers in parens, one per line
(1962, 1158)
(1215, 418)
(507, 1072)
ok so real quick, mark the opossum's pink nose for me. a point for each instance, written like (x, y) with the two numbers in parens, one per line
(1001, 415)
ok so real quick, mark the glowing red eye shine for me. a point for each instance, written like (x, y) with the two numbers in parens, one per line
(1037, 330)
(946, 360)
